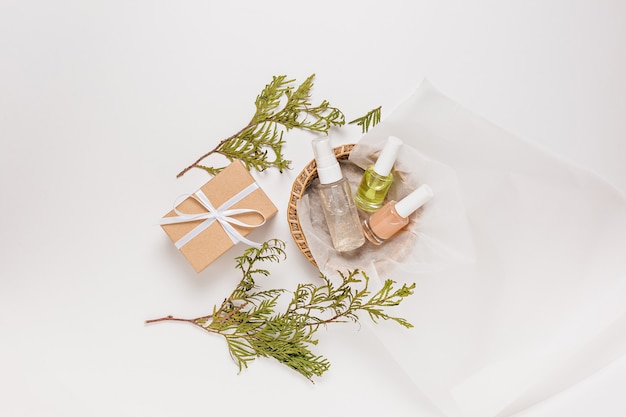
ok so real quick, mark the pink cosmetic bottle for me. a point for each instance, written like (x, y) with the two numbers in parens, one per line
(393, 216)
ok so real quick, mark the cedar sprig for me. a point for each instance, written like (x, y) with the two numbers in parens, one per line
(371, 119)
(279, 107)
(252, 328)
(346, 300)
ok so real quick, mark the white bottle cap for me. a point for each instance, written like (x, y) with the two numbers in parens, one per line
(328, 169)
(413, 201)
(388, 156)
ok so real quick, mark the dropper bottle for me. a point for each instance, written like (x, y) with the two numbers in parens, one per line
(378, 178)
(387, 221)
(340, 212)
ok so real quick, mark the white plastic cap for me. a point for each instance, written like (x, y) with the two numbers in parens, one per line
(328, 169)
(388, 156)
(413, 201)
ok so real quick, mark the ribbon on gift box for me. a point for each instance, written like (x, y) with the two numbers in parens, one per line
(223, 214)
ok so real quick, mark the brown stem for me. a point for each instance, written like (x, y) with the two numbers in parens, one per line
(171, 318)
(233, 311)
(212, 151)
(330, 320)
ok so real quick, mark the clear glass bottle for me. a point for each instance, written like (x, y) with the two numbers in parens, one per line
(393, 216)
(377, 179)
(340, 211)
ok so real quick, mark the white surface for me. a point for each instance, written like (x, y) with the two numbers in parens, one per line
(102, 103)
(529, 300)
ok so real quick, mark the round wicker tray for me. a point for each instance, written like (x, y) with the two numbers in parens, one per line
(298, 189)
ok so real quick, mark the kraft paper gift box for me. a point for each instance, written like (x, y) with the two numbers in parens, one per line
(217, 216)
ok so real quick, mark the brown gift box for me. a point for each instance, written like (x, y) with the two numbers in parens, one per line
(214, 240)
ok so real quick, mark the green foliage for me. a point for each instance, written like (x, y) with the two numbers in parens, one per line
(279, 107)
(252, 328)
(371, 119)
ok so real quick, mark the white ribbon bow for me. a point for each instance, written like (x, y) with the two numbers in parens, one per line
(222, 215)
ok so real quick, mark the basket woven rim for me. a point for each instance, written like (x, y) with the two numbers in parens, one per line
(300, 185)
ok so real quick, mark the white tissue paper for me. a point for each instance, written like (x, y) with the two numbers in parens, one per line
(527, 297)
(437, 235)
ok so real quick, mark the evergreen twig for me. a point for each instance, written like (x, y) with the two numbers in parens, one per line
(252, 328)
(371, 119)
(279, 107)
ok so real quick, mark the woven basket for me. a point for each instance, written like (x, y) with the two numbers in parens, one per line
(303, 180)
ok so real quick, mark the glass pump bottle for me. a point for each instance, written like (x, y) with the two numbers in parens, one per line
(378, 178)
(340, 212)
(387, 221)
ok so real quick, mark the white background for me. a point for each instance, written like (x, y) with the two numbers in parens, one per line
(102, 103)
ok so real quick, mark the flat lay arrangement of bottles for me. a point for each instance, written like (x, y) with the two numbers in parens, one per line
(383, 220)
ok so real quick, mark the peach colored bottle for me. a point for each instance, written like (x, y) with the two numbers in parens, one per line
(393, 216)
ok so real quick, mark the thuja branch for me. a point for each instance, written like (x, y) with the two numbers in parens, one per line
(252, 328)
(212, 170)
(279, 107)
(370, 119)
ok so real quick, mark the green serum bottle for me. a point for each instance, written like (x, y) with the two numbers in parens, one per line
(378, 178)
